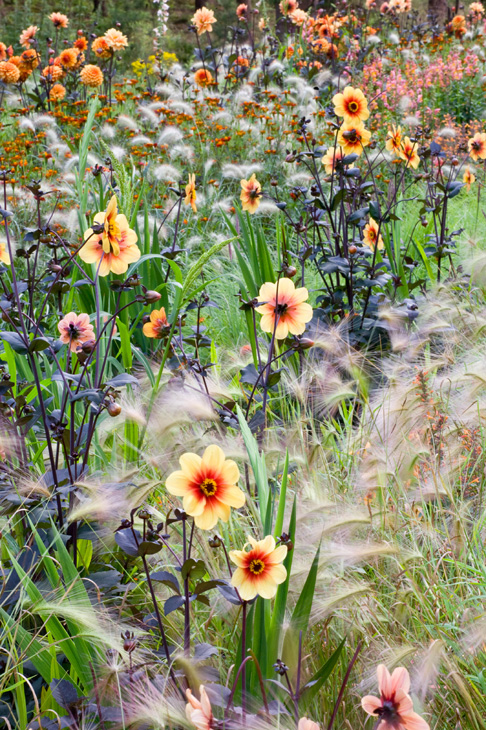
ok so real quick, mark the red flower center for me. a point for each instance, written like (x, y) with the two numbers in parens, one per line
(353, 106)
(209, 487)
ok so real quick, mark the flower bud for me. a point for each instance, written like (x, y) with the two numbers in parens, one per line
(114, 409)
(290, 271)
(152, 296)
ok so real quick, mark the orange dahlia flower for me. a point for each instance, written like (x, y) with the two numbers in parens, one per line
(190, 198)
(28, 35)
(203, 19)
(158, 325)
(75, 329)
(59, 19)
(53, 72)
(251, 192)
(57, 92)
(477, 146)
(101, 48)
(288, 6)
(394, 140)
(115, 39)
(91, 75)
(29, 59)
(68, 58)
(4, 255)
(9, 72)
(284, 308)
(394, 708)
(331, 158)
(241, 11)
(3, 51)
(353, 137)
(115, 247)
(351, 104)
(468, 178)
(371, 237)
(409, 153)
(298, 17)
(203, 77)
(259, 570)
(208, 486)
(81, 43)
(199, 712)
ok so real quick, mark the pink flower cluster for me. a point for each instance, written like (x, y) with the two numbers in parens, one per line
(391, 85)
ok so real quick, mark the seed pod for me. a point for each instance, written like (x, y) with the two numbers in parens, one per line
(114, 409)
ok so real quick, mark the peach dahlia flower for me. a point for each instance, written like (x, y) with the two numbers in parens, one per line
(115, 39)
(251, 192)
(59, 19)
(208, 486)
(285, 305)
(113, 249)
(199, 712)
(75, 329)
(260, 569)
(394, 706)
(203, 20)
(27, 35)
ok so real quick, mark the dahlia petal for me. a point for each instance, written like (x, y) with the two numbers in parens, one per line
(278, 574)
(194, 504)
(245, 587)
(266, 587)
(282, 330)
(400, 679)
(238, 557)
(221, 510)
(370, 704)
(207, 519)
(279, 554)
(233, 496)
(118, 265)
(205, 703)
(413, 721)
(177, 484)
(190, 464)
(267, 292)
(267, 322)
(286, 288)
(91, 251)
(402, 700)
(267, 545)
(99, 218)
(384, 680)
(238, 577)
(213, 458)
(300, 295)
(230, 473)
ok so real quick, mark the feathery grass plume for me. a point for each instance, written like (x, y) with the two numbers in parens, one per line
(170, 135)
(149, 115)
(126, 122)
(166, 173)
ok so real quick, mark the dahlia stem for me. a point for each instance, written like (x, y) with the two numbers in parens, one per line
(243, 660)
(187, 617)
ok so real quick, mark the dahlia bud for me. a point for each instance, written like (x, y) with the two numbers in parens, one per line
(352, 250)
(290, 271)
(152, 296)
(114, 409)
(305, 343)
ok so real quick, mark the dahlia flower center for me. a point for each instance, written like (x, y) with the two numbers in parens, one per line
(256, 566)
(73, 331)
(209, 487)
(280, 309)
(353, 106)
(387, 711)
(351, 135)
